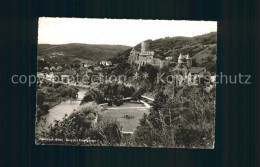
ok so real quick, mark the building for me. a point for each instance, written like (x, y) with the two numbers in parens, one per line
(145, 56)
(46, 69)
(198, 71)
(49, 76)
(59, 68)
(106, 63)
(168, 58)
(52, 68)
(185, 60)
(195, 74)
(84, 65)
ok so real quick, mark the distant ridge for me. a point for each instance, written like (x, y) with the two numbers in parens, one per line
(91, 52)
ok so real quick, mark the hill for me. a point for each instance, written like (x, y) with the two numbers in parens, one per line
(202, 49)
(75, 51)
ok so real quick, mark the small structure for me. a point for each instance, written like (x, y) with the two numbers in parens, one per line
(198, 71)
(185, 60)
(97, 68)
(46, 68)
(49, 76)
(168, 58)
(52, 68)
(106, 63)
(59, 68)
(195, 74)
(84, 65)
(213, 79)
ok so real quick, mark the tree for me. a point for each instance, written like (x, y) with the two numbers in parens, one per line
(82, 124)
(137, 95)
(77, 125)
(159, 100)
(40, 97)
(118, 100)
(87, 98)
(187, 120)
(151, 70)
(108, 132)
(194, 63)
(45, 107)
(68, 91)
(41, 64)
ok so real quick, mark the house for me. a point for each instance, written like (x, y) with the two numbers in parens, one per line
(40, 75)
(195, 74)
(84, 65)
(49, 76)
(59, 68)
(106, 63)
(213, 79)
(97, 68)
(52, 68)
(198, 71)
(46, 69)
(168, 58)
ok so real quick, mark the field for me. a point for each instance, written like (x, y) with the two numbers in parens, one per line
(134, 110)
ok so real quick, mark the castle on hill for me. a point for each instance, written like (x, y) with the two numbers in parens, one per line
(145, 56)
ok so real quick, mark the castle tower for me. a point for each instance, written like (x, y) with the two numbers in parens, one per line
(180, 61)
(188, 60)
(144, 46)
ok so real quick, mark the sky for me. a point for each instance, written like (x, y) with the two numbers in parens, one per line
(116, 31)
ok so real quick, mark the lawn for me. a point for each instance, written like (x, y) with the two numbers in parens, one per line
(131, 109)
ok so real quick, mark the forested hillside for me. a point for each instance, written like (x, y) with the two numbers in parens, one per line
(67, 53)
(202, 49)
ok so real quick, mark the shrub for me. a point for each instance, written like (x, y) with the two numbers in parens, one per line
(77, 125)
(81, 124)
(138, 93)
(118, 100)
(87, 98)
(193, 137)
(109, 131)
(45, 107)
(40, 97)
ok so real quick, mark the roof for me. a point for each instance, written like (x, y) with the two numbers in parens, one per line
(184, 56)
(196, 70)
(109, 62)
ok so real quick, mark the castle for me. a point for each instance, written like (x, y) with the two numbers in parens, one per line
(144, 57)
(184, 64)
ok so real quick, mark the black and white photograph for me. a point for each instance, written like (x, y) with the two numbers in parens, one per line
(126, 83)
